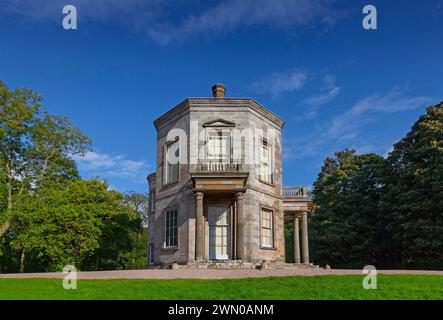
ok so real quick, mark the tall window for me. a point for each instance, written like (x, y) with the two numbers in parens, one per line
(171, 161)
(265, 162)
(171, 228)
(151, 254)
(267, 228)
(219, 146)
(152, 200)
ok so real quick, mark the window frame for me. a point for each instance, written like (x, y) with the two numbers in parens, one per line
(221, 132)
(152, 200)
(166, 172)
(270, 164)
(167, 244)
(272, 228)
(151, 249)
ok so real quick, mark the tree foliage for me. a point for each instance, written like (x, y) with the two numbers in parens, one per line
(383, 212)
(140, 203)
(413, 201)
(49, 217)
(82, 223)
(344, 225)
(35, 147)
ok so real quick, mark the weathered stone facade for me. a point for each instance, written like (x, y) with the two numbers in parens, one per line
(250, 225)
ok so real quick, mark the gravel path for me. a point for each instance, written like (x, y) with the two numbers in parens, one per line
(210, 274)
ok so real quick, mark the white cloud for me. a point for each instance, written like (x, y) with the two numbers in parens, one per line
(112, 166)
(366, 110)
(169, 21)
(229, 15)
(347, 130)
(278, 83)
(327, 93)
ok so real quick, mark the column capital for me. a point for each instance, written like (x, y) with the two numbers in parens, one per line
(240, 196)
(199, 196)
(302, 215)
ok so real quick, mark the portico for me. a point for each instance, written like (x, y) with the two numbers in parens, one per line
(296, 210)
(219, 190)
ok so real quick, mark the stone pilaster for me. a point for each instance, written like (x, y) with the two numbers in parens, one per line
(241, 221)
(199, 228)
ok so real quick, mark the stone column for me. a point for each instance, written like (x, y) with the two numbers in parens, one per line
(240, 204)
(199, 228)
(296, 241)
(304, 237)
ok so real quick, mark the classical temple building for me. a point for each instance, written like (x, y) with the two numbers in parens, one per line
(217, 192)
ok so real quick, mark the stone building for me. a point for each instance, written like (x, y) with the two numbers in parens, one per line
(217, 191)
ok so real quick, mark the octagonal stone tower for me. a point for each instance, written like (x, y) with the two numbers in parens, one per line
(217, 191)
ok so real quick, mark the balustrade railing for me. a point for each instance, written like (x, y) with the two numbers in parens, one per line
(294, 192)
(219, 166)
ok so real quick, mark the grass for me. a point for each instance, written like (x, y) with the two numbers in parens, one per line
(280, 288)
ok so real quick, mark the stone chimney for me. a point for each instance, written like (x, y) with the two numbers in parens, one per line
(218, 90)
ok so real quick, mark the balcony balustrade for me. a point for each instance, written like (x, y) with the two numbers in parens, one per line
(294, 192)
(218, 166)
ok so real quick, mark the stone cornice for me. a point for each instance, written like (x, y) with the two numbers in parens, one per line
(184, 105)
(215, 102)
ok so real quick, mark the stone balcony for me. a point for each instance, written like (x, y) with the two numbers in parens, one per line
(295, 199)
(218, 166)
(219, 175)
(294, 192)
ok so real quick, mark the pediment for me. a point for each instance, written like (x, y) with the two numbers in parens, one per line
(219, 123)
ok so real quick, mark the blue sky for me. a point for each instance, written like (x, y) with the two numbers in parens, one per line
(311, 62)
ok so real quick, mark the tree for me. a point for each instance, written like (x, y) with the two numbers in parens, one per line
(413, 199)
(140, 203)
(18, 110)
(81, 223)
(344, 223)
(49, 217)
(35, 147)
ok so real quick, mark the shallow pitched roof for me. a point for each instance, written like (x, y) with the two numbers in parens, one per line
(224, 102)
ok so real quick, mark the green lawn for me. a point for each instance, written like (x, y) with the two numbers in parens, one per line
(318, 287)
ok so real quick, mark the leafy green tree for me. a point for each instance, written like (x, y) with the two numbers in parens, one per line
(140, 203)
(82, 223)
(413, 201)
(35, 147)
(343, 227)
(18, 111)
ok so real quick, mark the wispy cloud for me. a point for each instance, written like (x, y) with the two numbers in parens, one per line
(366, 111)
(88, 10)
(227, 16)
(112, 166)
(327, 93)
(169, 21)
(349, 129)
(278, 83)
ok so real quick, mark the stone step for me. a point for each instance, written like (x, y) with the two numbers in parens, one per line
(239, 264)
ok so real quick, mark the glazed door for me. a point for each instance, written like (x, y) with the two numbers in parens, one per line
(219, 219)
